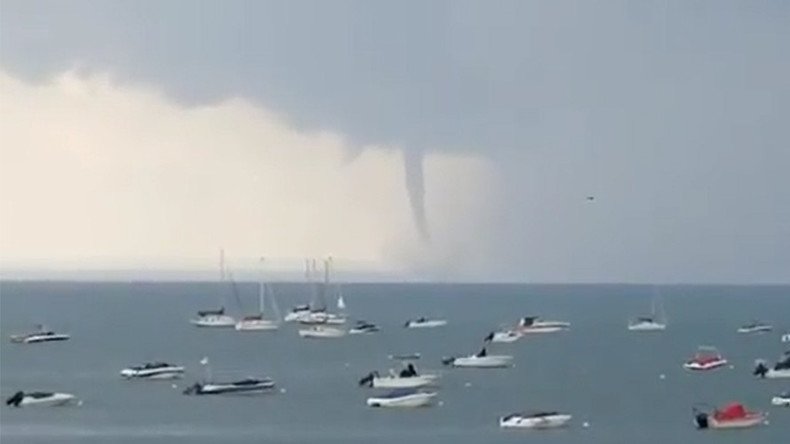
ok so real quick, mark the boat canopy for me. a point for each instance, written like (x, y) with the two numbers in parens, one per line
(731, 411)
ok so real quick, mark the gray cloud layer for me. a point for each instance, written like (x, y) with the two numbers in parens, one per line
(673, 113)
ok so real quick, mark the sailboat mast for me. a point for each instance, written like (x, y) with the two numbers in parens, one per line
(261, 288)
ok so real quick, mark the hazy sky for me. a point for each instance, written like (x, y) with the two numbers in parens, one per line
(438, 139)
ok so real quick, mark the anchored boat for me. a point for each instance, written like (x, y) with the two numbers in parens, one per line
(480, 360)
(425, 323)
(407, 378)
(40, 335)
(706, 358)
(402, 398)
(534, 420)
(153, 370)
(731, 416)
(44, 399)
(780, 370)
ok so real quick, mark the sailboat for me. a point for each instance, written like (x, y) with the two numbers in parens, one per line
(318, 308)
(215, 318)
(257, 322)
(655, 322)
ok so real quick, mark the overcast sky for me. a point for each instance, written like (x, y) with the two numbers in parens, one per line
(432, 139)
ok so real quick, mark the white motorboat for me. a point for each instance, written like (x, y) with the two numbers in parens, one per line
(407, 378)
(248, 386)
(731, 416)
(39, 336)
(504, 336)
(316, 317)
(425, 323)
(706, 358)
(786, 337)
(756, 327)
(363, 327)
(479, 360)
(322, 332)
(402, 398)
(153, 370)
(44, 399)
(782, 400)
(536, 420)
(780, 370)
(534, 324)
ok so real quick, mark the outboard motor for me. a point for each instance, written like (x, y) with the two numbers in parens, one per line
(448, 361)
(701, 420)
(489, 337)
(16, 399)
(761, 370)
(192, 389)
(367, 380)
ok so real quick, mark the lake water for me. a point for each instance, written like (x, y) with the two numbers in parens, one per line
(598, 371)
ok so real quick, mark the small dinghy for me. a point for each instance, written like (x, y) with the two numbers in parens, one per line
(780, 370)
(363, 327)
(153, 370)
(706, 358)
(44, 399)
(480, 360)
(782, 400)
(425, 323)
(786, 337)
(731, 416)
(756, 327)
(504, 336)
(407, 378)
(534, 324)
(40, 335)
(248, 386)
(402, 398)
(536, 420)
(322, 332)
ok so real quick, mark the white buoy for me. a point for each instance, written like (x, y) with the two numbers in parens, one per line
(662, 376)
(173, 386)
(282, 390)
(585, 424)
(347, 365)
(732, 367)
(441, 403)
(468, 384)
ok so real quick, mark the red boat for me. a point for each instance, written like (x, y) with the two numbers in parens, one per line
(706, 358)
(732, 416)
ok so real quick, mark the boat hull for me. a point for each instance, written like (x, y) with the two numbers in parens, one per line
(153, 374)
(37, 339)
(257, 325)
(647, 326)
(490, 361)
(222, 321)
(750, 421)
(781, 401)
(323, 333)
(393, 382)
(701, 367)
(506, 336)
(414, 400)
(426, 324)
(55, 400)
(529, 422)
